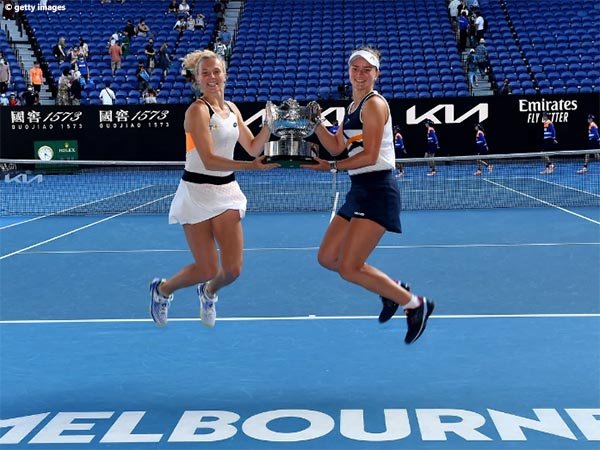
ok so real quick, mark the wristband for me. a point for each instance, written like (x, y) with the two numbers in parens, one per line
(333, 166)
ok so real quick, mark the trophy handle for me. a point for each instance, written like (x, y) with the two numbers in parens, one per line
(268, 117)
(314, 110)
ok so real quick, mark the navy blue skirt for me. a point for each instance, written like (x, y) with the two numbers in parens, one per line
(374, 196)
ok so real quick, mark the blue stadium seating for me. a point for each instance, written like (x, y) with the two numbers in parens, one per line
(300, 50)
(96, 24)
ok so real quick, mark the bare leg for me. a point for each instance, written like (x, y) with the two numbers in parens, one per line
(345, 249)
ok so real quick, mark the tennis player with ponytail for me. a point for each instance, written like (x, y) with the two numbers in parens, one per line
(209, 203)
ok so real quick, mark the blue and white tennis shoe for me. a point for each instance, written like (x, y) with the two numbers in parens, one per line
(159, 304)
(208, 310)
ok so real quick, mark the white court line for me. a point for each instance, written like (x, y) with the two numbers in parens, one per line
(567, 187)
(73, 207)
(544, 202)
(60, 236)
(292, 249)
(299, 318)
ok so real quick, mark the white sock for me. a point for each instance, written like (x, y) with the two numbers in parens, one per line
(414, 302)
(159, 291)
(206, 292)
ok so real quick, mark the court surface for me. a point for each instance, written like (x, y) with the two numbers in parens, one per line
(510, 359)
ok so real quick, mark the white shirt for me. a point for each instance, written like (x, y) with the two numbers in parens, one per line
(479, 23)
(107, 96)
(453, 7)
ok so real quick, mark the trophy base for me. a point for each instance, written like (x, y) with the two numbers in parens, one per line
(291, 153)
(290, 162)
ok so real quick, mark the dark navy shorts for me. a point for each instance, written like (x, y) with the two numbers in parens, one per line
(374, 196)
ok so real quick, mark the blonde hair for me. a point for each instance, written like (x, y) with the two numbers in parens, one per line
(192, 61)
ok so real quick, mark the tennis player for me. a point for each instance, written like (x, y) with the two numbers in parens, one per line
(372, 205)
(209, 202)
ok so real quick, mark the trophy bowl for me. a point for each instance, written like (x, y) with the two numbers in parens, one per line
(291, 123)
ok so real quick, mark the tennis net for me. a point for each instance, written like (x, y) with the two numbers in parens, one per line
(33, 187)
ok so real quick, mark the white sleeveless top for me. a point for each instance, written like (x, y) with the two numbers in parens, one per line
(194, 203)
(225, 134)
(353, 136)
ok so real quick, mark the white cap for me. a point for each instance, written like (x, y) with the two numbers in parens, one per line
(368, 56)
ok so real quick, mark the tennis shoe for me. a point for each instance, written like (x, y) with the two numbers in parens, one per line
(582, 171)
(416, 319)
(477, 173)
(390, 307)
(208, 310)
(431, 173)
(159, 304)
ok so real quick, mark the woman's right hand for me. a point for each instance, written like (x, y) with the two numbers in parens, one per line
(260, 164)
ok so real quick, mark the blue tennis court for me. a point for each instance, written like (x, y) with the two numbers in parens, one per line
(510, 359)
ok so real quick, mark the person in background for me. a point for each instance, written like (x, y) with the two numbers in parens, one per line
(63, 94)
(593, 142)
(173, 7)
(549, 143)
(84, 49)
(199, 23)
(13, 100)
(116, 54)
(107, 96)
(372, 205)
(163, 61)
(142, 29)
(472, 69)
(149, 96)
(84, 70)
(58, 51)
(432, 145)
(399, 149)
(5, 76)
(30, 97)
(184, 8)
(505, 88)
(76, 88)
(463, 30)
(482, 58)
(142, 76)
(481, 147)
(150, 53)
(209, 203)
(36, 77)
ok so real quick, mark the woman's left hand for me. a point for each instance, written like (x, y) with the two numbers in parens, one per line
(321, 164)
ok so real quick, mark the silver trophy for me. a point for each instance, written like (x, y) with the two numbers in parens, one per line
(292, 123)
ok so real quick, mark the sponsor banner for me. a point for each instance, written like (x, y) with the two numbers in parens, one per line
(144, 132)
(55, 150)
(512, 124)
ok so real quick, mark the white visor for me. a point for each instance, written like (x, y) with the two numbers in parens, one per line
(368, 56)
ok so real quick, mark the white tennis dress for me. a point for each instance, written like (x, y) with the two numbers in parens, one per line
(193, 202)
